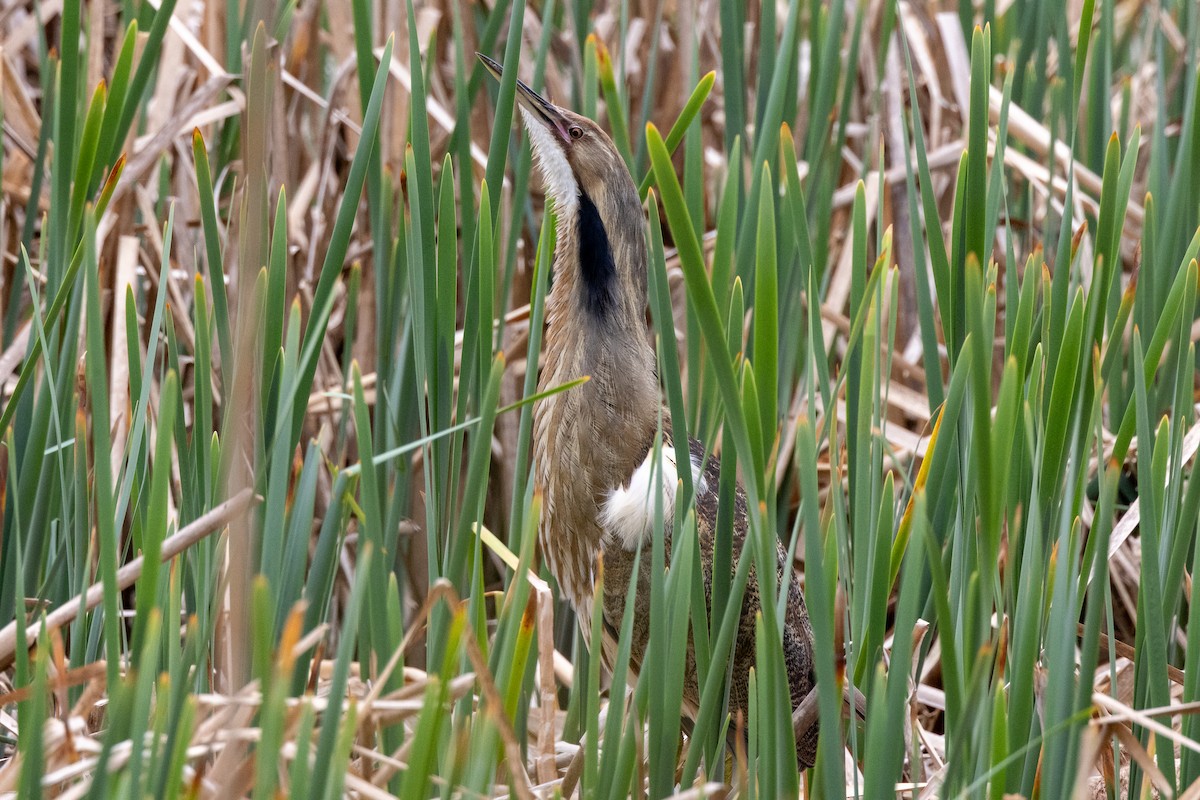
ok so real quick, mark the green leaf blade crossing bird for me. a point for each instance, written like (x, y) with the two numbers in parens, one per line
(594, 445)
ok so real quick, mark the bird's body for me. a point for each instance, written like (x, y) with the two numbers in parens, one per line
(593, 445)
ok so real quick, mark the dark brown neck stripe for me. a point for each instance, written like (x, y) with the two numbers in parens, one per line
(598, 287)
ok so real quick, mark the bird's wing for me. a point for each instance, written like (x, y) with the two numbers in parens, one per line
(797, 632)
(629, 520)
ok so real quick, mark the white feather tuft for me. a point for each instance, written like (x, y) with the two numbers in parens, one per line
(556, 172)
(628, 512)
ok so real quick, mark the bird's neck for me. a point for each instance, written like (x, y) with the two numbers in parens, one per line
(596, 326)
(598, 302)
(600, 264)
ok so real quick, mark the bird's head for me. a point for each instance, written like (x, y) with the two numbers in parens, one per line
(576, 156)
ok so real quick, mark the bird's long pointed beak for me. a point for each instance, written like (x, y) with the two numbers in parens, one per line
(541, 108)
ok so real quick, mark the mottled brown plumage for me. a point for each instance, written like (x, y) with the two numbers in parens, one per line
(590, 443)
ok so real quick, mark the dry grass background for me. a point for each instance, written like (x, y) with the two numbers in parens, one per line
(312, 127)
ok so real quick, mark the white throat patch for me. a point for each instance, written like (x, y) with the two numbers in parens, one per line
(556, 172)
(627, 515)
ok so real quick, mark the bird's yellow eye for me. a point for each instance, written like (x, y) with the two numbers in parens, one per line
(576, 132)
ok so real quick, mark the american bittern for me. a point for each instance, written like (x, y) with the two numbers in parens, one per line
(593, 445)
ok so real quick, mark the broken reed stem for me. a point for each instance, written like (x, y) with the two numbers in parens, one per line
(198, 529)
